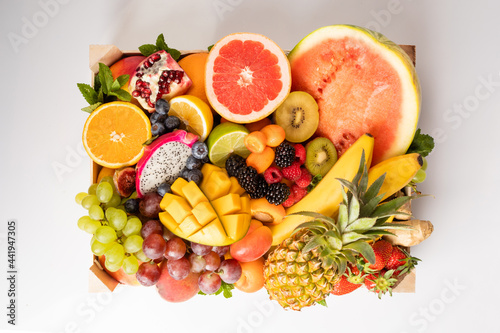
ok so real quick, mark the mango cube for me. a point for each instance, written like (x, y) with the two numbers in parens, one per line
(167, 220)
(235, 186)
(204, 212)
(236, 225)
(193, 194)
(189, 225)
(176, 206)
(216, 186)
(178, 185)
(228, 204)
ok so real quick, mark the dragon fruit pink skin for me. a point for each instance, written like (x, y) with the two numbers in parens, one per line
(163, 160)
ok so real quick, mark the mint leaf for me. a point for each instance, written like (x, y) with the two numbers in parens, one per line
(210, 47)
(148, 49)
(160, 43)
(88, 93)
(115, 86)
(123, 79)
(105, 77)
(122, 94)
(92, 107)
(422, 144)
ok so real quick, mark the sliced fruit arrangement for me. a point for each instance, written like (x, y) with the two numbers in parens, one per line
(244, 168)
(216, 213)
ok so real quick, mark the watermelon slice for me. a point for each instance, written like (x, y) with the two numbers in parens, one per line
(363, 83)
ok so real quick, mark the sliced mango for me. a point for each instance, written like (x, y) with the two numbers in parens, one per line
(216, 213)
(193, 194)
(178, 185)
(228, 204)
(217, 185)
(204, 212)
(168, 221)
(235, 186)
(189, 225)
(234, 224)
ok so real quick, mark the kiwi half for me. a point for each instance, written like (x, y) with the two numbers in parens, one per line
(321, 155)
(298, 115)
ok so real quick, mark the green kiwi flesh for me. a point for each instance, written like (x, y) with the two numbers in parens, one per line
(321, 155)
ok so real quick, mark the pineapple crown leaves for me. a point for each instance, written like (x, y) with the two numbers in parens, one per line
(361, 218)
(105, 89)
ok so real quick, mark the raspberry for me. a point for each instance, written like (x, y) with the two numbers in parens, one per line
(300, 153)
(290, 201)
(273, 175)
(292, 172)
(304, 179)
(298, 192)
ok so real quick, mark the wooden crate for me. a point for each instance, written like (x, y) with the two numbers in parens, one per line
(99, 280)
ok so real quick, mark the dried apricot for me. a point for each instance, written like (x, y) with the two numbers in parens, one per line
(261, 161)
(256, 142)
(275, 135)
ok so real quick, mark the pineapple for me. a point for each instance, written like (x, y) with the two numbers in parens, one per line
(302, 270)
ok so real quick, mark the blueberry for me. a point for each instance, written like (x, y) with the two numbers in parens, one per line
(162, 106)
(158, 129)
(171, 123)
(184, 173)
(157, 118)
(193, 163)
(194, 175)
(199, 150)
(164, 189)
(131, 206)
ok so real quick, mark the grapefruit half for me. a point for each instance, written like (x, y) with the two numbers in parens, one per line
(363, 83)
(247, 77)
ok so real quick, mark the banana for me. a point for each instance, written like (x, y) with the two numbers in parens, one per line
(327, 195)
(399, 171)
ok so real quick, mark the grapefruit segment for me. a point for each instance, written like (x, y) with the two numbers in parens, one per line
(363, 83)
(247, 77)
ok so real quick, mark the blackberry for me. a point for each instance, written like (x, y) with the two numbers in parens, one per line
(260, 188)
(247, 178)
(277, 193)
(234, 164)
(284, 155)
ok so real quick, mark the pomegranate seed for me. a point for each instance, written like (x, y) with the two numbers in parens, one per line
(136, 93)
(138, 74)
(146, 65)
(155, 57)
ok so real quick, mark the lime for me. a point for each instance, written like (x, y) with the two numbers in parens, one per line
(226, 139)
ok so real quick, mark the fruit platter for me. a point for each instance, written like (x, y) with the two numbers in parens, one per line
(244, 166)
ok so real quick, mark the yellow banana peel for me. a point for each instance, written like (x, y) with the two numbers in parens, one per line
(399, 171)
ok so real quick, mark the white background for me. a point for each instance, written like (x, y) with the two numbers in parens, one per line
(458, 48)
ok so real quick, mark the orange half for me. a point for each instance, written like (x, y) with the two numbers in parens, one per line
(114, 133)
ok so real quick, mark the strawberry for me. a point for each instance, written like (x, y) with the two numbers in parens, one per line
(343, 286)
(401, 261)
(349, 281)
(380, 282)
(382, 250)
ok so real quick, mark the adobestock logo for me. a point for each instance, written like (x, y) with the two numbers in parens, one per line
(257, 317)
(30, 27)
(224, 6)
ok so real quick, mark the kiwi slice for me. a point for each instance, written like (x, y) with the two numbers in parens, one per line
(298, 115)
(321, 155)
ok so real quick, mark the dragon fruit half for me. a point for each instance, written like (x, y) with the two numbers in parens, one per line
(163, 160)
